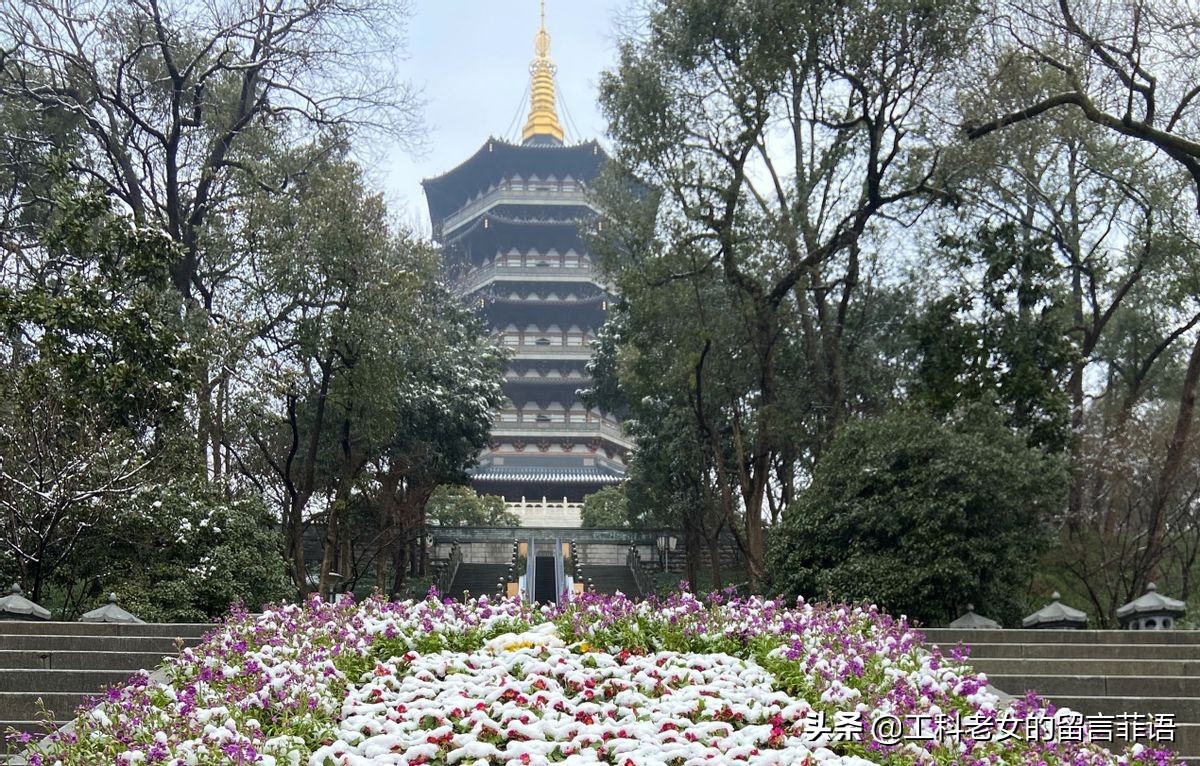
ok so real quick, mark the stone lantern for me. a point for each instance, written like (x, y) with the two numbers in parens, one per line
(1056, 615)
(1151, 611)
(14, 606)
(110, 612)
(972, 621)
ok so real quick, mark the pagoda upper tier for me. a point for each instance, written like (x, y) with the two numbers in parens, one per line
(491, 236)
(504, 178)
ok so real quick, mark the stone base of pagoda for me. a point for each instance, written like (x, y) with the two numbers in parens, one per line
(547, 513)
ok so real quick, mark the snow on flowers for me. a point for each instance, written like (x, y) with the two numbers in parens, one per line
(676, 681)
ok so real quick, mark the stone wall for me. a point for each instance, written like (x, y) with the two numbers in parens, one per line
(603, 554)
(547, 514)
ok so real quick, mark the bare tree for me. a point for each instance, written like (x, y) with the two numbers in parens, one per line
(1134, 68)
(59, 475)
(178, 102)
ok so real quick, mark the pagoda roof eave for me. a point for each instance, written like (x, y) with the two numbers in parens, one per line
(447, 192)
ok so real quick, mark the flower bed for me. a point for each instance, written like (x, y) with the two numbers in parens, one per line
(602, 680)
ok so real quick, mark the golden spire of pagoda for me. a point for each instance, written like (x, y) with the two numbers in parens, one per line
(543, 112)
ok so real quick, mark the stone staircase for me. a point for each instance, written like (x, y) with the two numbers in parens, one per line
(1096, 672)
(479, 579)
(610, 579)
(63, 663)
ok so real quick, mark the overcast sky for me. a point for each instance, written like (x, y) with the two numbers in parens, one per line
(472, 57)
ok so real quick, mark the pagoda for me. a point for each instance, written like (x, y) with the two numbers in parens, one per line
(509, 220)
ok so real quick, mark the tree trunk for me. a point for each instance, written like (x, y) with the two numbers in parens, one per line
(294, 529)
(381, 567)
(341, 499)
(217, 434)
(399, 568)
(1167, 478)
(300, 492)
(329, 549)
(714, 560)
(691, 548)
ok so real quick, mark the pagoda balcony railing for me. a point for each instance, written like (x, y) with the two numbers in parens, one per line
(514, 377)
(568, 196)
(485, 276)
(532, 351)
(542, 429)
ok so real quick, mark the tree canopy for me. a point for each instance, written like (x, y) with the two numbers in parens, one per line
(921, 517)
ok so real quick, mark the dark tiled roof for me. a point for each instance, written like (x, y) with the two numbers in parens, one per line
(497, 159)
(547, 475)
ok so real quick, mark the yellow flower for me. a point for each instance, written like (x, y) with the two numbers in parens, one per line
(585, 647)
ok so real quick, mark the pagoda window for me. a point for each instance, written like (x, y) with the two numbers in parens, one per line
(543, 341)
(570, 261)
(542, 418)
(509, 416)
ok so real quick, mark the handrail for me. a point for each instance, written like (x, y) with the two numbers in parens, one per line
(609, 431)
(582, 536)
(511, 576)
(641, 577)
(531, 572)
(560, 574)
(446, 577)
(603, 426)
(573, 196)
(534, 351)
(581, 274)
(577, 569)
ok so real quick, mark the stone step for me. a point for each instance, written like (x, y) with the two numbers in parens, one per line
(1179, 738)
(36, 659)
(1186, 739)
(90, 681)
(1183, 737)
(950, 636)
(1081, 651)
(1128, 667)
(1098, 686)
(77, 643)
(1185, 709)
(479, 579)
(20, 706)
(169, 630)
(610, 579)
(36, 728)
